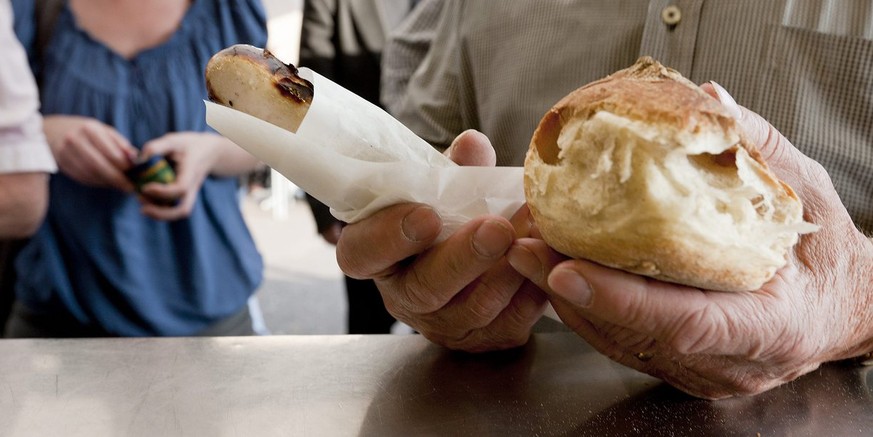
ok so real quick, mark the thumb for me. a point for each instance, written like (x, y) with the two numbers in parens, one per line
(684, 318)
(161, 146)
(472, 147)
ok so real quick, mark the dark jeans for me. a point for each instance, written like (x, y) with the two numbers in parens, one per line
(367, 313)
(26, 323)
(8, 251)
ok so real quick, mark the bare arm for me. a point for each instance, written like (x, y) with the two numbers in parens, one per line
(24, 158)
(230, 159)
(25, 194)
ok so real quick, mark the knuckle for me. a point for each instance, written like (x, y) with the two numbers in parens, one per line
(480, 340)
(481, 307)
(477, 340)
(70, 137)
(460, 342)
(631, 340)
(398, 311)
(92, 126)
(346, 263)
(517, 338)
(519, 316)
(637, 310)
(456, 266)
(421, 297)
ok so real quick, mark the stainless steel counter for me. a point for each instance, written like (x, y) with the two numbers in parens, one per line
(385, 385)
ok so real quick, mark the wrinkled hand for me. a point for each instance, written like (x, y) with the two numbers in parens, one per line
(193, 156)
(716, 344)
(90, 152)
(461, 293)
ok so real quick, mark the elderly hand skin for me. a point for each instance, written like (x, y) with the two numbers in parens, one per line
(714, 344)
(461, 293)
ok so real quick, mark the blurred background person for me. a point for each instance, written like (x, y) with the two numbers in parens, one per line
(121, 79)
(343, 41)
(25, 157)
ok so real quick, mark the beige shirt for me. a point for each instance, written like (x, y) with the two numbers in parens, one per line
(805, 65)
(23, 147)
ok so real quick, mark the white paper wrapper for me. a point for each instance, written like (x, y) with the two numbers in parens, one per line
(357, 159)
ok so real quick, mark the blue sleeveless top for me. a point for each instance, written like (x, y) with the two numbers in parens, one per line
(96, 256)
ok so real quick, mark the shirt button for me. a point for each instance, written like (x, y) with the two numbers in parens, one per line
(671, 15)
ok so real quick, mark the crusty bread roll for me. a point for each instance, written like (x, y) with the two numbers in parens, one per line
(254, 81)
(644, 172)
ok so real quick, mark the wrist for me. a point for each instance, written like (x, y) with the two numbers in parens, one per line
(228, 159)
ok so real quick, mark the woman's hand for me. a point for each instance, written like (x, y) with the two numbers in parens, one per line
(89, 151)
(195, 156)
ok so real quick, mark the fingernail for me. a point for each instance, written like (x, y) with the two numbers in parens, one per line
(571, 286)
(727, 100)
(492, 239)
(421, 224)
(525, 262)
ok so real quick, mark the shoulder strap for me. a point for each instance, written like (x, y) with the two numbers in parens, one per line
(46, 12)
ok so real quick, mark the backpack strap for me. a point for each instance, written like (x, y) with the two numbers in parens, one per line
(46, 12)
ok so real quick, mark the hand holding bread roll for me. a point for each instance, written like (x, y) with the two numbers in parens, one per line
(644, 172)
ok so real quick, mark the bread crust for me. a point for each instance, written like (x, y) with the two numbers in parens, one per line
(631, 229)
(252, 80)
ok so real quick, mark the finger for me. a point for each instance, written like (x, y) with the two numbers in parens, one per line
(480, 302)
(472, 148)
(527, 306)
(522, 222)
(124, 145)
(371, 248)
(512, 326)
(460, 322)
(162, 146)
(159, 209)
(107, 145)
(534, 259)
(802, 174)
(166, 193)
(159, 212)
(719, 93)
(774, 147)
(332, 233)
(441, 272)
(686, 319)
(93, 166)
